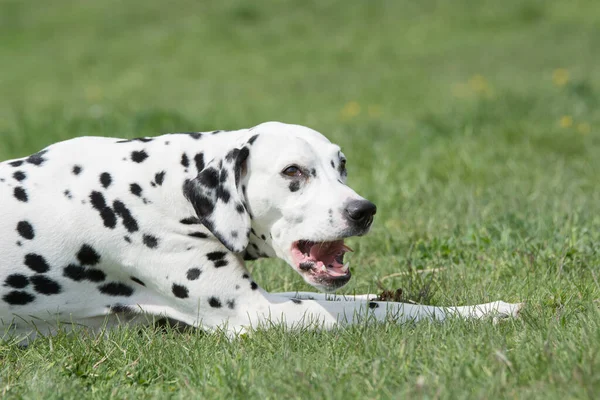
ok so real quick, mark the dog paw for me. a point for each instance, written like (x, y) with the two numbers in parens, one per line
(503, 311)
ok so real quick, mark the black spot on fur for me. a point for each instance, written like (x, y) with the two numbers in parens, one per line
(252, 139)
(135, 189)
(127, 239)
(116, 289)
(36, 263)
(128, 221)
(106, 213)
(20, 194)
(199, 161)
(313, 172)
(142, 139)
(249, 257)
(297, 301)
(214, 302)
(68, 194)
(373, 305)
(245, 276)
(180, 291)
(223, 176)
(223, 194)
(19, 176)
(76, 169)
(216, 255)
(195, 135)
(199, 235)
(239, 207)
(220, 263)
(120, 308)
(231, 304)
(78, 273)
(159, 178)
(332, 164)
(17, 281)
(185, 161)
(263, 237)
(150, 241)
(253, 285)
(193, 274)
(105, 179)
(209, 178)
(37, 158)
(231, 155)
(95, 275)
(190, 221)
(18, 298)
(294, 186)
(202, 204)
(17, 163)
(74, 272)
(25, 230)
(138, 156)
(44, 285)
(88, 256)
(136, 280)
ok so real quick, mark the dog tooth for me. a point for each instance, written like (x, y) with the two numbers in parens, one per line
(346, 266)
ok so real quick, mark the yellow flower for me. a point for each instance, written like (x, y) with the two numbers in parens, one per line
(584, 128)
(566, 121)
(480, 85)
(560, 77)
(374, 111)
(351, 110)
(93, 92)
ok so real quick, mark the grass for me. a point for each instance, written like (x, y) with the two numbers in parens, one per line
(473, 125)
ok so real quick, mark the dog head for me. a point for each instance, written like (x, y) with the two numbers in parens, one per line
(281, 191)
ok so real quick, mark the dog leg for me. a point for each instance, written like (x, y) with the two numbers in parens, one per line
(294, 312)
(475, 311)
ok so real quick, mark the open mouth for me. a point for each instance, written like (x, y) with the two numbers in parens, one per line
(322, 263)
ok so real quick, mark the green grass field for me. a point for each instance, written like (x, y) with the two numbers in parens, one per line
(474, 126)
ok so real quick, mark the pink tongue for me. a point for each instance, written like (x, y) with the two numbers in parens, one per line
(326, 251)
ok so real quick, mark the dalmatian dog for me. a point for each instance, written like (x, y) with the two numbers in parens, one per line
(98, 231)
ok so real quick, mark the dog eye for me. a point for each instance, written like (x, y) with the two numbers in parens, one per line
(292, 170)
(343, 164)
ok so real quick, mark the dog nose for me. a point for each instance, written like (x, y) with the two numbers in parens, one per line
(361, 212)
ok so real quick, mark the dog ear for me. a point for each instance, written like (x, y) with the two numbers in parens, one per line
(218, 201)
